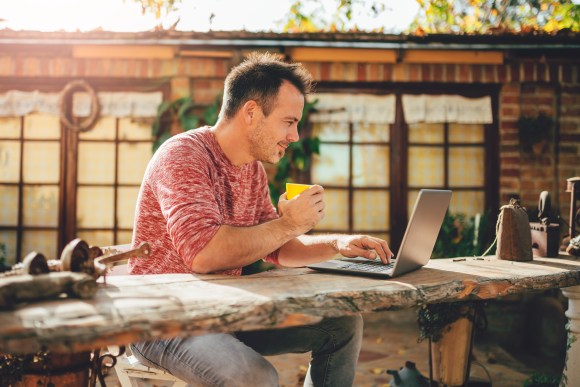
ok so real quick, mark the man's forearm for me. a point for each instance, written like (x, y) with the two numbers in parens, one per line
(235, 247)
(307, 249)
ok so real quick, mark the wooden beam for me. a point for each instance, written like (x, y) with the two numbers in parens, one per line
(311, 54)
(449, 56)
(133, 52)
(206, 54)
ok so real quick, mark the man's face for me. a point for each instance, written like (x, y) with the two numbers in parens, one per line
(273, 134)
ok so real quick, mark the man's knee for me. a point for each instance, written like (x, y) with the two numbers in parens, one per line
(263, 374)
(350, 327)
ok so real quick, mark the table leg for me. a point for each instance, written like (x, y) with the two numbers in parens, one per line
(450, 355)
(571, 374)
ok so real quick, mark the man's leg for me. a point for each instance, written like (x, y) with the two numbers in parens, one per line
(208, 360)
(335, 344)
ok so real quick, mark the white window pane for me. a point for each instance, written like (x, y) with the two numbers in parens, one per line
(331, 166)
(127, 198)
(331, 131)
(95, 207)
(104, 129)
(370, 165)
(40, 206)
(132, 129)
(9, 209)
(426, 166)
(371, 210)
(9, 127)
(133, 159)
(467, 202)
(371, 132)
(426, 133)
(466, 167)
(466, 133)
(41, 162)
(124, 237)
(41, 126)
(9, 161)
(336, 211)
(45, 242)
(96, 163)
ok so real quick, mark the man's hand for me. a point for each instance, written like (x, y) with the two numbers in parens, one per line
(305, 210)
(365, 246)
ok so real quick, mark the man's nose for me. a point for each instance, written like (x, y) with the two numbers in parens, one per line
(293, 135)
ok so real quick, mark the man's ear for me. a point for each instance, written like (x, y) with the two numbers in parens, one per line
(250, 111)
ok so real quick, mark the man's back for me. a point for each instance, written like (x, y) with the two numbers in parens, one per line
(190, 188)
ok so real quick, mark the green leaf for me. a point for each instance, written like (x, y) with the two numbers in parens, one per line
(189, 122)
(164, 137)
(300, 162)
(163, 108)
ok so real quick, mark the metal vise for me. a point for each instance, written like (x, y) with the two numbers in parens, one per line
(545, 234)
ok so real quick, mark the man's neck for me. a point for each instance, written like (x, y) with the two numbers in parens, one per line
(233, 141)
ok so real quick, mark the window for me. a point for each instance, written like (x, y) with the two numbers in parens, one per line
(372, 170)
(30, 172)
(111, 162)
(58, 184)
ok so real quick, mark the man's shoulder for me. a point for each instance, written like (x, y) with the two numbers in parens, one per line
(192, 139)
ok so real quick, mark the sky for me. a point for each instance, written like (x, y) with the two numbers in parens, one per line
(126, 16)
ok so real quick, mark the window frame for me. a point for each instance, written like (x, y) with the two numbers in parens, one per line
(399, 144)
(69, 142)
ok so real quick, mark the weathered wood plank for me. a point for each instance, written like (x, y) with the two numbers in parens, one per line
(134, 308)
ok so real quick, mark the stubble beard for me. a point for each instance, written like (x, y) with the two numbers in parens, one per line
(260, 147)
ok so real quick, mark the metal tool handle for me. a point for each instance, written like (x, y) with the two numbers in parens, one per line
(105, 262)
(544, 207)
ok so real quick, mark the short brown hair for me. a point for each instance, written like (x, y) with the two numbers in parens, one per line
(259, 78)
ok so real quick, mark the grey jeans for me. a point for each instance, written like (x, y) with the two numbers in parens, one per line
(236, 359)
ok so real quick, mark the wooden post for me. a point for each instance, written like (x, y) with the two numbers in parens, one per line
(450, 355)
(571, 374)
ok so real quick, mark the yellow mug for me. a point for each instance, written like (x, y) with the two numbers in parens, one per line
(293, 189)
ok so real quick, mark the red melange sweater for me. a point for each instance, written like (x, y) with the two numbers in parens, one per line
(189, 190)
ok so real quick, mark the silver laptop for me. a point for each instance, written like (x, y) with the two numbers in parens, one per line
(416, 247)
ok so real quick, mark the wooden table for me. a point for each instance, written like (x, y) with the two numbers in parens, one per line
(135, 308)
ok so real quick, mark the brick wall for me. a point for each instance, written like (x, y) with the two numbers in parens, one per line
(528, 87)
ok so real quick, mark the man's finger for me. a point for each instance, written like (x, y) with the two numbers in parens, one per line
(380, 246)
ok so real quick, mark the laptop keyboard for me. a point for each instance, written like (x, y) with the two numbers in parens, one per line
(371, 266)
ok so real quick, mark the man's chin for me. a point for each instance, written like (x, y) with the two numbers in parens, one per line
(274, 159)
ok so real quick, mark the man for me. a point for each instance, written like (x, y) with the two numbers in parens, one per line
(204, 207)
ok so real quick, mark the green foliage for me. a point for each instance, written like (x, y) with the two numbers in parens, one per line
(171, 114)
(533, 130)
(180, 115)
(434, 16)
(488, 16)
(457, 236)
(297, 159)
(542, 380)
(157, 7)
(312, 16)
(3, 258)
(435, 319)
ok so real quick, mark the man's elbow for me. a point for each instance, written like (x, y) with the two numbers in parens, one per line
(202, 266)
